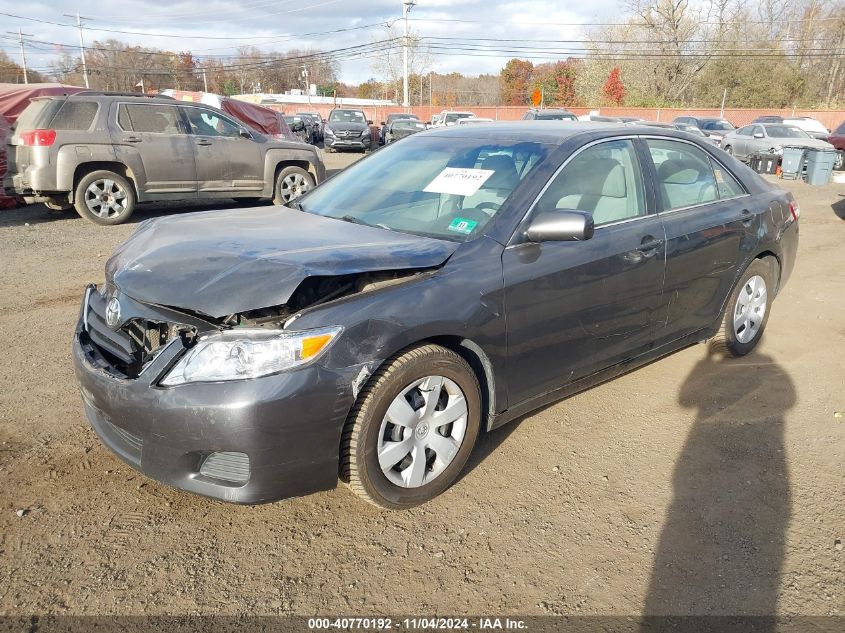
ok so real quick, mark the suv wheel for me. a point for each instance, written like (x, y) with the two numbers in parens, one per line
(839, 162)
(291, 183)
(748, 309)
(104, 197)
(412, 429)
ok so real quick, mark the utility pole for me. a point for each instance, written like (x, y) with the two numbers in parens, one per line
(204, 80)
(81, 44)
(722, 110)
(406, 8)
(23, 52)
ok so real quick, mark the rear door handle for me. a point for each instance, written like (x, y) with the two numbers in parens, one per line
(746, 217)
(133, 139)
(203, 142)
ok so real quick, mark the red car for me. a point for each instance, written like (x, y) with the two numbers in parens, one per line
(837, 139)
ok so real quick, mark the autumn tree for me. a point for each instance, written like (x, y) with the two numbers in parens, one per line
(515, 80)
(614, 89)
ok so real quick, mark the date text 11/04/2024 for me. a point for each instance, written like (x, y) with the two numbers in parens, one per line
(417, 623)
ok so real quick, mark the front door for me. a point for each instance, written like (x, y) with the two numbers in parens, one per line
(710, 226)
(228, 162)
(151, 137)
(574, 308)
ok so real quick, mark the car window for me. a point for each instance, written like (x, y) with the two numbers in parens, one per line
(208, 123)
(604, 180)
(28, 119)
(745, 131)
(758, 129)
(75, 115)
(142, 117)
(840, 129)
(444, 188)
(717, 125)
(347, 116)
(684, 174)
(727, 185)
(786, 131)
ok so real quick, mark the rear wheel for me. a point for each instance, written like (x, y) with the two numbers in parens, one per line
(839, 163)
(291, 183)
(748, 310)
(729, 150)
(104, 197)
(413, 428)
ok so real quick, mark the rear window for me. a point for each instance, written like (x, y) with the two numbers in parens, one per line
(158, 119)
(75, 115)
(28, 120)
(840, 129)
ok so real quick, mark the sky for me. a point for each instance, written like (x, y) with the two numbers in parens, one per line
(219, 27)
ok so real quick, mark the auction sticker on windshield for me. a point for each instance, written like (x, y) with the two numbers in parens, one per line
(462, 225)
(459, 181)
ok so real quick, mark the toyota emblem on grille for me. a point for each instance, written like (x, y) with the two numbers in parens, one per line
(113, 313)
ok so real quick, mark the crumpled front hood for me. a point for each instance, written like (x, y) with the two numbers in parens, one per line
(224, 262)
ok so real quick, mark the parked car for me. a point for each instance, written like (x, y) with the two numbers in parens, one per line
(683, 127)
(298, 126)
(472, 120)
(393, 116)
(450, 117)
(768, 138)
(811, 126)
(406, 305)
(714, 128)
(102, 153)
(837, 139)
(347, 129)
(312, 126)
(549, 114)
(402, 128)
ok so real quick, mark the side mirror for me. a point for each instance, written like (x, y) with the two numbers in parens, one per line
(758, 135)
(369, 122)
(560, 225)
(245, 134)
(383, 123)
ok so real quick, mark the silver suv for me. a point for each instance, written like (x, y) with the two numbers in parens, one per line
(104, 152)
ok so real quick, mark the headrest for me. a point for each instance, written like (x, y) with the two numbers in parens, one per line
(680, 171)
(598, 177)
(505, 176)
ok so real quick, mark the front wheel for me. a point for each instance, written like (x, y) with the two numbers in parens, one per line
(413, 428)
(839, 161)
(729, 150)
(291, 183)
(104, 197)
(748, 309)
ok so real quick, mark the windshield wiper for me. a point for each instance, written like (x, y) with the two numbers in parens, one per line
(354, 220)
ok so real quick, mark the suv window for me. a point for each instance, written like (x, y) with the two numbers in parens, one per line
(208, 123)
(840, 129)
(604, 179)
(684, 174)
(153, 118)
(75, 115)
(28, 120)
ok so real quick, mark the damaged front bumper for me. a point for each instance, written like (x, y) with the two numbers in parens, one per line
(246, 441)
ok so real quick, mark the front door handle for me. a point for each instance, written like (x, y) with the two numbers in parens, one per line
(133, 139)
(649, 245)
(746, 217)
(203, 142)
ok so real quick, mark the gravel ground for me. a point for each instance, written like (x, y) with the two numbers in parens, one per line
(693, 485)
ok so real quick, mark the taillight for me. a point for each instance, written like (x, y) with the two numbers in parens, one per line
(38, 138)
(794, 209)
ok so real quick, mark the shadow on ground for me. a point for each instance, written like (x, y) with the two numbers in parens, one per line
(722, 545)
(839, 207)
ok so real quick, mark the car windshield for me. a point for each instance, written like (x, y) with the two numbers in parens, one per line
(454, 116)
(347, 116)
(558, 116)
(786, 131)
(408, 125)
(691, 129)
(447, 188)
(717, 125)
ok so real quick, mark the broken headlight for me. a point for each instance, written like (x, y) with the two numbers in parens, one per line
(248, 353)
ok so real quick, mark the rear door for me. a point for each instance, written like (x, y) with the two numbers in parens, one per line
(574, 308)
(711, 226)
(151, 137)
(227, 161)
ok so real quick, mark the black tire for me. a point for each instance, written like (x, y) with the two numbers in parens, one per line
(729, 150)
(119, 186)
(359, 460)
(839, 165)
(730, 338)
(291, 182)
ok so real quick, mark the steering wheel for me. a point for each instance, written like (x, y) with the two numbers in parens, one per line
(481, 206)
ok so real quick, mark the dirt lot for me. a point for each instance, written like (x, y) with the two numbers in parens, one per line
(693, 485)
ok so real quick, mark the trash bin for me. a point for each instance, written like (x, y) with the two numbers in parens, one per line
(764, 163)
(793, 161)
(820, 164)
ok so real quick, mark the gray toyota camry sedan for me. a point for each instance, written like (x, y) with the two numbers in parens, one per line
(437, 289)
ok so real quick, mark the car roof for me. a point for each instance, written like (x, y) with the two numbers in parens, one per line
(550, 132)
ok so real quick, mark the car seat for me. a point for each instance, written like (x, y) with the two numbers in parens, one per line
(686, 182)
